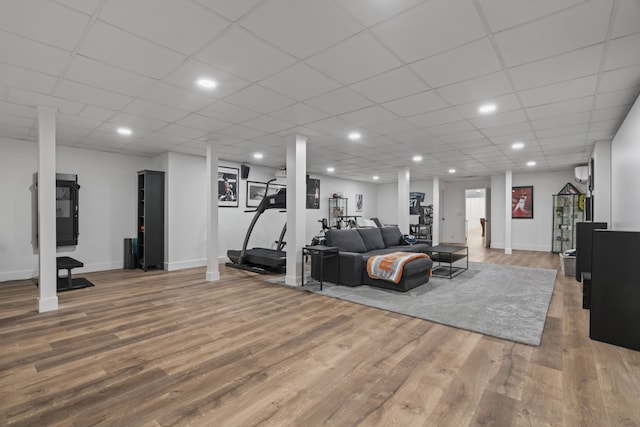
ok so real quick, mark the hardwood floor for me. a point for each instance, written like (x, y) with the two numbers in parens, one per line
(168, 348)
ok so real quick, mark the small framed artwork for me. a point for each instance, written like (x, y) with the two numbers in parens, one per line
(228, 187)
(256, 192)
(313, 193)
(359, 203)
(522, 202)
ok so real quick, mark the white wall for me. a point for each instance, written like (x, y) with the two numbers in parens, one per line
(625, 158)
(528, 234)
(107, 202)
(602, 182)
(387, 210)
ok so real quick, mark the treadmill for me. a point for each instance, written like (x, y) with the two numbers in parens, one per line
(262, 260)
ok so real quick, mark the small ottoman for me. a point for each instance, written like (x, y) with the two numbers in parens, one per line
(416, 272)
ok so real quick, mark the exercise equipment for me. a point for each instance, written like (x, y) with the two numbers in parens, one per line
(262, 260)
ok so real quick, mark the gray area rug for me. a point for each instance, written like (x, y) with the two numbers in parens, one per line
(499, 300)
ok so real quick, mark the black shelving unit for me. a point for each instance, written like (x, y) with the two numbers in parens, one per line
(150, 219)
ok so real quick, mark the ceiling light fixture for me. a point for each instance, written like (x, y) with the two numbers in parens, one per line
(487, 108)
(124, 131)
(331, 169)
(355, 136)
(517, 145)
(258, 156)
(207, 83)
(417, 158)
(376, 177)
(452, 171)
(531, 163)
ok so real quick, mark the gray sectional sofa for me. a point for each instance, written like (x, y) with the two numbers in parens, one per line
(356, 246)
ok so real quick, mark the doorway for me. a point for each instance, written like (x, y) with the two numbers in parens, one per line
(475, 216)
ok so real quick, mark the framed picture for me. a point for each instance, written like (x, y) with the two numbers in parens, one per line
(313, 193)
(256, 190)
(522, 202)
(359, 203)
(415, 198)
(228, 187)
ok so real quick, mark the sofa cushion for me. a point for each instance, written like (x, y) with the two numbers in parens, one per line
(345, 240)
(372, 238)
(391, 235)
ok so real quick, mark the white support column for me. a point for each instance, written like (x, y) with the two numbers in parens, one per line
(435, 227)
(404, 179)
(508, 184)
(213, 272)
(296, 206)
(48, 300)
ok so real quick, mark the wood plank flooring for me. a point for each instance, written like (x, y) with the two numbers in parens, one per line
(168, 348)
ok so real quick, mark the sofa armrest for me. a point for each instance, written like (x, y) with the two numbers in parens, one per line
(351, 264)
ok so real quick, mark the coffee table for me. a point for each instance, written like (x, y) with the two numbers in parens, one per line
(448, 254)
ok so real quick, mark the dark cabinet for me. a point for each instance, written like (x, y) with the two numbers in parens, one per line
(150, 219)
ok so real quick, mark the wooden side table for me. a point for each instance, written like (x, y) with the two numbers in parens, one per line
(321, 252)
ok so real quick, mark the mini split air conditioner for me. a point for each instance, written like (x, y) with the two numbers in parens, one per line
(582, 174)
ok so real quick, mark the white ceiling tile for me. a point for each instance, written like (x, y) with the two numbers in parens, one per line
(230, 9)
(623, 52)
(502, 14)
(339, 101)
(299, 114)
(300, 82)
(444, 23)
(268, 124)
(176, 97)
(22, 122)
(187, 74)
(44, 21)
(433, 118)
(627, 20)
(562, 131)
(183, 131)
(13, 76)
(513, 129)
(94, 73)
(18, 110)
(137, 123)
(259, 99)
(26, 97)
(450, 128)
(415, 104)
(605, 125)
(77, 121)
(331, 125)
(621, 78)
(571, 29)
(478, 89)
(599, 135)
(121, 49)
(394, 84)
(201, 122)
(577, 88)
(371, 12)
(465, 62)
(281, 22)
(228, 112)
(30, 54)
(617, 98)
(111, 128)
(97, 113)
(617, 113)
(241, 132)
(390, 127)
(560, 108)
(562, 121)
(300, 130)
(153, 110)
(368, 116)
(472, 135)
(181, 26)
(85, 6)
(91, 95)
(510, 139)
(503, 103)
(240, 53)
(355, 59)
(500, 119)
(581, 62)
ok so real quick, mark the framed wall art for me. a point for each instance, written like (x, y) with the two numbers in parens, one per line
(228, 187)
(522, 202)
(313, 193)
(256, 192)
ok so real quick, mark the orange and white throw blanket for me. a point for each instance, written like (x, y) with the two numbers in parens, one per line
(390, 266)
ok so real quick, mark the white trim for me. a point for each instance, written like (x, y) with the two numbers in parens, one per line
(181, 265)
(47, 304)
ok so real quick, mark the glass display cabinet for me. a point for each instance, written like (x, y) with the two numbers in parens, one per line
(567, 211)
(337, 208)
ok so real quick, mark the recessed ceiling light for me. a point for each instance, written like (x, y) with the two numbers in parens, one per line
(487, 108)
(331, 169)
(376, 177)
(531, 163)
(452, 171)
(207, 83)
(417, 158)
(124, 131)
(258, 155)
(355, 136)
(517, 145)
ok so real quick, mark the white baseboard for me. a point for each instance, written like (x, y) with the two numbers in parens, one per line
(6, 276)
(181, 265)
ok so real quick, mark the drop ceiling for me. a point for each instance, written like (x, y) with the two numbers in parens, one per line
(408, 75)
